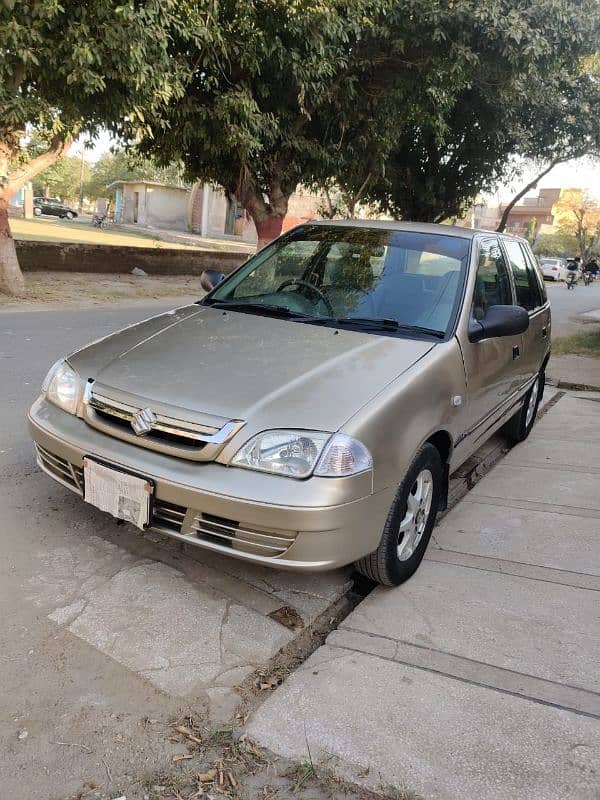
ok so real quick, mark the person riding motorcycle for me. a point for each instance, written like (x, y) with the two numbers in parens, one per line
(573, 271)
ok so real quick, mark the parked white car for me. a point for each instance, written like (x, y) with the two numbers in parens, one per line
(554, 269)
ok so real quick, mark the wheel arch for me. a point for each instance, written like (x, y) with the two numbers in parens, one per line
(442, 441)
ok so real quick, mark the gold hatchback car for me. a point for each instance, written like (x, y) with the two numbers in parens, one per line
(309, 410)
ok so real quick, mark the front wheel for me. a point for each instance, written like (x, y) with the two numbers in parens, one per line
(37, 212)
(409, 523)
(69, 215)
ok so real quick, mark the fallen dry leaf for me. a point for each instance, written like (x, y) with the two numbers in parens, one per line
(206, 777)
(288, 616)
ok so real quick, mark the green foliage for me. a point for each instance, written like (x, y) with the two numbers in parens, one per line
(415, 105)
(123, 166)
(529, 95)
(61, 179)
(71, 66)
(558, 245)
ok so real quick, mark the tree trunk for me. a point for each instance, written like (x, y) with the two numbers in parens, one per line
(531, 185)
(11, 277)
(268, 228)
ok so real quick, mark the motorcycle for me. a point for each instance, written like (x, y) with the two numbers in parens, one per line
(571, 279)
(100, 221)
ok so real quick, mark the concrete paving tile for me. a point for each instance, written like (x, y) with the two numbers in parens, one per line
(532, 484)
(538, 628)
(442, 738)
(556, 455)
(149, 605)
(543, 538)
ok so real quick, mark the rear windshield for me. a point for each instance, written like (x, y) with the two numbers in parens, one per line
(345, 273)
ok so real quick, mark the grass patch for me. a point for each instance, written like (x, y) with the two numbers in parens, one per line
(585, 344)
(49, 230)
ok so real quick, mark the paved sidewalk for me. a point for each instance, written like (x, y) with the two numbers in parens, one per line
(479, 677)
(571, 371)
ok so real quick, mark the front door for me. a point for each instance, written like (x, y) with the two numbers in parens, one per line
(492, 365)
(136, 205)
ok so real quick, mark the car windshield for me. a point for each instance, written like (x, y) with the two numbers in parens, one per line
(373, 278)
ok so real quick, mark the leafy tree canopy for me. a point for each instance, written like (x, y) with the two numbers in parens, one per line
(69, 66)
(531, 96)
(414, 105)
(577, 214)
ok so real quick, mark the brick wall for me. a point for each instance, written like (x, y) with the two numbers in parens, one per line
(99, 258)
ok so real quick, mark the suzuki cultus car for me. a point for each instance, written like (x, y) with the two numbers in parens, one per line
(309, 410)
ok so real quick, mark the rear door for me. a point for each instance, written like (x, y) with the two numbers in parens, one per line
(491, 365)
(531, 295)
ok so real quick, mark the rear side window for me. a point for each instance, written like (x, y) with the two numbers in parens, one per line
(492, 284)
(532, 262)
(528, 290)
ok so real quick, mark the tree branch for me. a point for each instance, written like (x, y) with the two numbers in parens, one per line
(21, 175)
(531, 185)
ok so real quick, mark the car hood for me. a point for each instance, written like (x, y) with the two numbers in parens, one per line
(236, 365)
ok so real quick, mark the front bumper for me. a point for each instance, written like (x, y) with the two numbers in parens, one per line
(316, 524)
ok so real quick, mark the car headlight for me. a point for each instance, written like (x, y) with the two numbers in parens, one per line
(297, 454)
(63, 386)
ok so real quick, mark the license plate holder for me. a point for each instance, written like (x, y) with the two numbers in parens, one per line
(124, 494)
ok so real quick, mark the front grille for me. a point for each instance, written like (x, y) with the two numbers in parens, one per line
(168, 516)
(228, 533)
(186, 524)
(169, 434)
(61, 469)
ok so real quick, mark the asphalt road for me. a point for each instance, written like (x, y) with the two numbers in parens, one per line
(568, 303)
(30, 342)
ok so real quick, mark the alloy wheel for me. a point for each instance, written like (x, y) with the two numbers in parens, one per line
(418, 506)
(531, 406)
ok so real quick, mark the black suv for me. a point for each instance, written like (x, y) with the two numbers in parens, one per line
(53, 207)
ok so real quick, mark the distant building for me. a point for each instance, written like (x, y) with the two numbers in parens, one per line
(483, 217)
(159, 205)
(538, 208)
(212, 213)
(202, 209)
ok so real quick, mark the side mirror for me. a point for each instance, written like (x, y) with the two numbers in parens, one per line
(211, 278)
(499, 321)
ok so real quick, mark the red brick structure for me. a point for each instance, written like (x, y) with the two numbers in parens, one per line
(538, 208)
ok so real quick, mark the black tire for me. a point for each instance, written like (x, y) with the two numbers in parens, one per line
(69, 215)
(384, 565)
(37, 211)
(518, 428)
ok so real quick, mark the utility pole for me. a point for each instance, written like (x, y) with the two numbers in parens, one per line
(81, 169)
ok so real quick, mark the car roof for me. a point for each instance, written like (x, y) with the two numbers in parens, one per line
(414, 227)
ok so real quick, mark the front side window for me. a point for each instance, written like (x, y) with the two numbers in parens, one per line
(341, 274)
(527, 287)
(492, 283)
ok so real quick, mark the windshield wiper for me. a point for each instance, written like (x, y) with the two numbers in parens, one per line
(246, 305)
(387, 324)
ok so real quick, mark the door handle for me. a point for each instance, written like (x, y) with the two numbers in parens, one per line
(516, 351)
(544, 333)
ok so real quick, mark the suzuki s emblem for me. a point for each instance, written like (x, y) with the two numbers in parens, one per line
(142, 421)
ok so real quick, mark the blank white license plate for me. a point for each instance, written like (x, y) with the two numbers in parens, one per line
(125, 496)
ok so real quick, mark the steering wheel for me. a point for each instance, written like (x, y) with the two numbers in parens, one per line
(321, 295)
